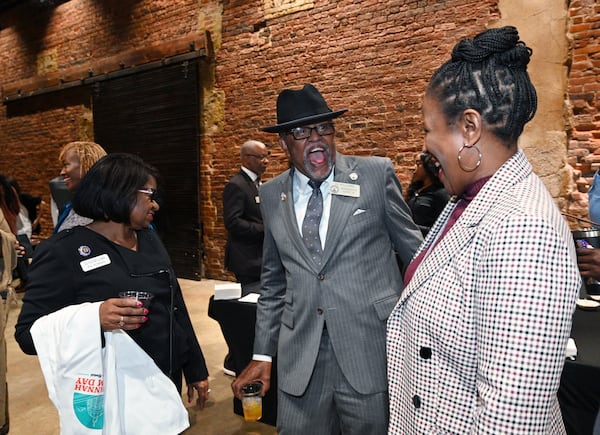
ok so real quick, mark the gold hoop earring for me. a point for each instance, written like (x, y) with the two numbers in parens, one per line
(460, 158)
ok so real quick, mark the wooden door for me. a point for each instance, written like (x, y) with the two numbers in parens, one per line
(155, 114)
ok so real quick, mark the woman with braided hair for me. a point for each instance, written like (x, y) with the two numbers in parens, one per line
(476, 342)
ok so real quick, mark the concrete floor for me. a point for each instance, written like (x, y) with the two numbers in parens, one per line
(31, 412)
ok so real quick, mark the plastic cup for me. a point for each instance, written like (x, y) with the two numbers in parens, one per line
(251, 401)
(144, 297)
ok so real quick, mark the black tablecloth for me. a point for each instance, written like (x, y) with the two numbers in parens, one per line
(237, 321)
(579, 392)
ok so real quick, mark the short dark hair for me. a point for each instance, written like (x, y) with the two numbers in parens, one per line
(489, 74)
(109, 190)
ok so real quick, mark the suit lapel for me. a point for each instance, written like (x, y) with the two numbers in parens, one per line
(289, 218)
(251, 185)
(341, 209)
(341, 206)
(456, 238)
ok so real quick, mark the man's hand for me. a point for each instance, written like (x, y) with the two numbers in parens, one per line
(255, 371)
(589, 262)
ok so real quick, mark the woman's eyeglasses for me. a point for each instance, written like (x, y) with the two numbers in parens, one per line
(150, 192)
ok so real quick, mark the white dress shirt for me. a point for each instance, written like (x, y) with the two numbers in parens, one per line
(302, 192)
(250, 174)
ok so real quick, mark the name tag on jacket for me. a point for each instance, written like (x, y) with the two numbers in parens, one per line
(345, 189)
(95, 262)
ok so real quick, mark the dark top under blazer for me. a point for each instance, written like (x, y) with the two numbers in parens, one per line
(56, 280)
(244, 224)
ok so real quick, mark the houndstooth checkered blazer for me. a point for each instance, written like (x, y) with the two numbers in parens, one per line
(476, 343)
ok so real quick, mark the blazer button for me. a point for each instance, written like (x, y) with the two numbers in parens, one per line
(425, 352)
(416, 401)
(321, 276)
(319, 311)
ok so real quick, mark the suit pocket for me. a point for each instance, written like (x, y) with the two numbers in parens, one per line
(384, 307)
(287, 317)
(362, 217)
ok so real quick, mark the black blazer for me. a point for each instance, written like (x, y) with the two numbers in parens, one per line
(243, 220)
(427, 205)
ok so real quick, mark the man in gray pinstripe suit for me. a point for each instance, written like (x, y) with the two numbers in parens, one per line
(324, 314)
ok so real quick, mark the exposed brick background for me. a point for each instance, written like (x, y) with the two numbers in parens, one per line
(584, 97)
(373, 57)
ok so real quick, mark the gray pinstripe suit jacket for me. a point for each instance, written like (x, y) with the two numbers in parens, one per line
(353, 291)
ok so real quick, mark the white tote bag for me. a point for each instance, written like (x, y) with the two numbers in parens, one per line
(116, 390)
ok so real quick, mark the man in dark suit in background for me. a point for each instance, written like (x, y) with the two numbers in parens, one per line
(243, 220)
(333, 226)
(241, 212)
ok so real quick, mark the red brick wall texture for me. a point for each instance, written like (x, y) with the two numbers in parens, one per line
(584, 92)
(373, 57)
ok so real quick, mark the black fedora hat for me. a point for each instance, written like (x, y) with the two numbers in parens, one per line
(296, 108)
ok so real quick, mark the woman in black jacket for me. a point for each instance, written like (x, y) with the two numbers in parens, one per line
(118, 252)
(426, 196)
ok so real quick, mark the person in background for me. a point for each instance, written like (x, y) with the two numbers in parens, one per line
(333, 225)
(241, 213)
(10, 204)
(76, 159)
(117, 252)
(426, 196)
(588, 260)
(11, 213)
(30, 211)
(594, 200)
(59, 196)
(243, 221)
(24, 220)
(24, 235)
(33, 205)
(10, 249)
(476, 343)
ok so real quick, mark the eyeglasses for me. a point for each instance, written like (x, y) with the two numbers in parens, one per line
(300, 133)
(150, 192)
(259, 156)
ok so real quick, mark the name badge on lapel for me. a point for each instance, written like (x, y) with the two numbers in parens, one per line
(95, 262)
(257, 199)
(345, 189)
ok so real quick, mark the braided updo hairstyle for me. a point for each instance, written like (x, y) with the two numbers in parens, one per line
(489, 74)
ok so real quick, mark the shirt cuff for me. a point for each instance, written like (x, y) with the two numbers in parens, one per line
(258, 357)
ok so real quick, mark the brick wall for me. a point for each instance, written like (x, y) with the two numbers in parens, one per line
(373, 57)
(584, 99)
(31, 140)
(37, 41)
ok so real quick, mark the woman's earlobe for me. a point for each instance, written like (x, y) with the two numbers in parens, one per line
(472, 124)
